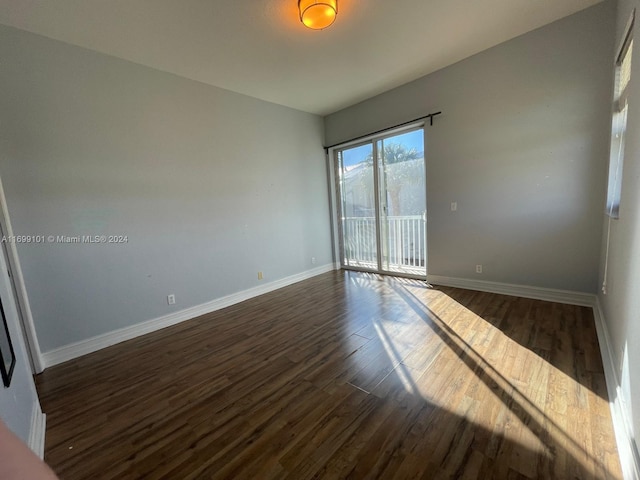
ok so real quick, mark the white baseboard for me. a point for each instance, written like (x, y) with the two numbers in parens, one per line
(538, 293)
(77, 349)
(37, 430)
(627, 448)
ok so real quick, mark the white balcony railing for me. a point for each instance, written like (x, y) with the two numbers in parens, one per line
(403, 243)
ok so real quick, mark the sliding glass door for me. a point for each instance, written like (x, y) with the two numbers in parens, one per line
(358, 202)
(382, 204)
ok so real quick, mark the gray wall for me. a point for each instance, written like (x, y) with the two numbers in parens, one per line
(521, 146)
(19, 400)
(621, 304)
(209, 186)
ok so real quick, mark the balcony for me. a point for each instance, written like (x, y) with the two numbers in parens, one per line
(403, 243)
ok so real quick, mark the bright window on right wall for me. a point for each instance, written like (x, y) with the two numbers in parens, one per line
(619, 121)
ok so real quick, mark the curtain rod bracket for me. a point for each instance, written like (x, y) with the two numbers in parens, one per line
(431, 115)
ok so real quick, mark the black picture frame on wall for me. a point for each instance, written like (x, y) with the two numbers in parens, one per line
(7, 354)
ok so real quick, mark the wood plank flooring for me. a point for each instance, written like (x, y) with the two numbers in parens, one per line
(345, 375)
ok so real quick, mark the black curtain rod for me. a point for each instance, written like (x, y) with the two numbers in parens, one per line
(430, 117)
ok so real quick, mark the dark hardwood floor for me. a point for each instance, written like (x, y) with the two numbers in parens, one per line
(345, 375)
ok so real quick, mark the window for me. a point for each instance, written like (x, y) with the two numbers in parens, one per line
(619, 122)
(382, 203)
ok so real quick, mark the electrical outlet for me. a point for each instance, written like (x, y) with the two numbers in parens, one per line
(171, 299)
(454, 206)
(478, 268)
(313, 260)
(259, 275)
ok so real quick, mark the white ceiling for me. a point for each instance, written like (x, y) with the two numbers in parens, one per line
(260, 48)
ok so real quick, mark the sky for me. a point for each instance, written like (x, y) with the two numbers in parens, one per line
(411, 140)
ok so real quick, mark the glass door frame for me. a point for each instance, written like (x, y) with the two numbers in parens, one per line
(337, 207)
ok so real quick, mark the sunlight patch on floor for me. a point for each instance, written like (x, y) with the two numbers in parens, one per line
(515, 393)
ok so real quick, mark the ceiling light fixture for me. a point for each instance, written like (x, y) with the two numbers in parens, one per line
(318, 14)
